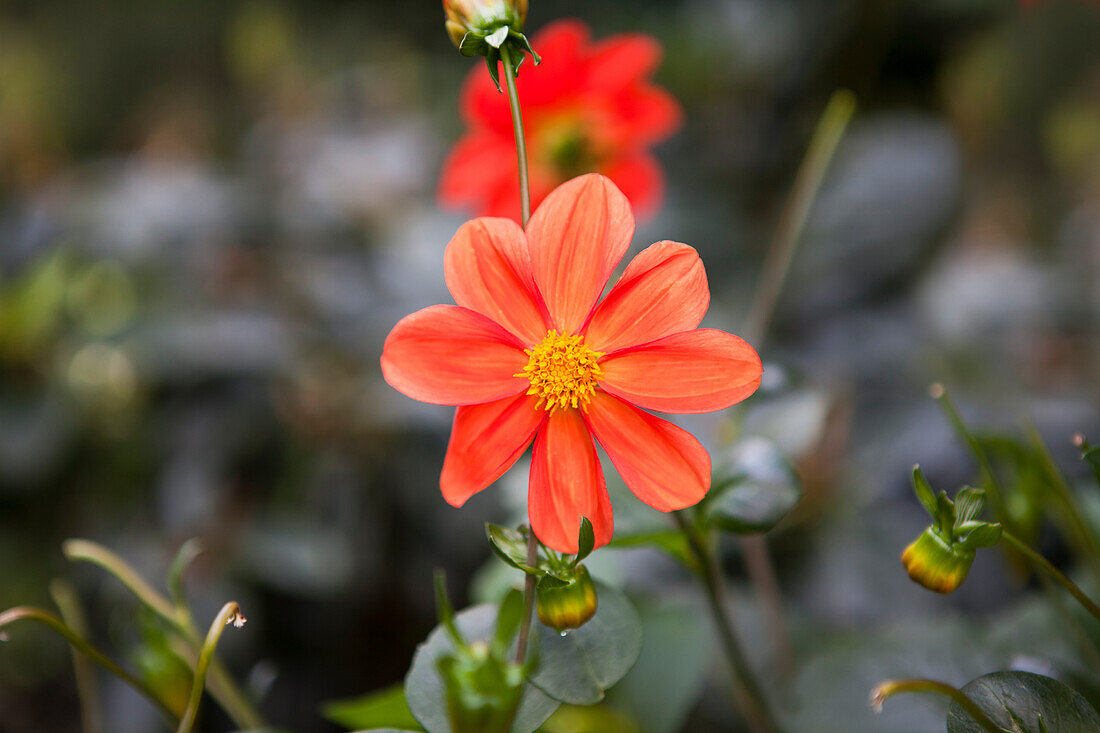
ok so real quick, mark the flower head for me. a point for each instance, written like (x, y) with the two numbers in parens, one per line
(531, 354)
(590, 107)
(482, 17)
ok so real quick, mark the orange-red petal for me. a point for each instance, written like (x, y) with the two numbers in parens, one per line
(694, 371)
(641, 180)
(662, 291)
(578, 236)
(622, 60)
(474, 168)
(487, 266)
(485, 441)
(448, 355)
(664, 465)
(566, 484)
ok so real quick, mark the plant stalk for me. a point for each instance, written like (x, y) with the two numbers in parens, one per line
(517, 127)
(890, 688)
(230, 613)
(528, 597)
(747, 691)
(1045, 565)
(72, 613)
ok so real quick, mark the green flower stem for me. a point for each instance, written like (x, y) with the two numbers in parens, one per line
(989, 479)
(889, 688)
(777, 263)
(91, 715)
(517, 126)
(188, 551)
(1043, 564)
(222, 685)
(26, 613)
(230, 613)
(528, 597)
(747, 692)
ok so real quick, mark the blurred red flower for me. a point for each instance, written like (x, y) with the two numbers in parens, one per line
(589, 107)
(531, 353)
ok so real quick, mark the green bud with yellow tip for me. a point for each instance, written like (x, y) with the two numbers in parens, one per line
(940, 558)
(566, 604)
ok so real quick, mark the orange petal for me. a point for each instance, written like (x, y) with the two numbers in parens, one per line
(622, 60)
(485, 441)
(641, 180)
(664, 465)
(567, 484)
(695, 371)
(474, 168)
(577, 237)
(487, 266)
(447, 355)
(662, 291)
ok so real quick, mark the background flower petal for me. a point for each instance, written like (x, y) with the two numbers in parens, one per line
(664, 465)
(662, 291)
(566, 484)
(622, 60)
(475, 168)
(448, 355)
(641, 180)
(485, 441)
(487, 266)
(577, 236)
(695, 371)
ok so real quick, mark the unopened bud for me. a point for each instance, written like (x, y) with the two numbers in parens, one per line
(935, 563)
(567, 606)
(482, 18)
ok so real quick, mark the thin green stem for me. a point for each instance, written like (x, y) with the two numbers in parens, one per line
(747, 691)
(1045, 565)
(989, 479)
(826, 137)
(230, 613)
(528, 597)
(26, 613)
(188, 551)
(517, 127)
(72, 613)
(223, 687)
(889, 688)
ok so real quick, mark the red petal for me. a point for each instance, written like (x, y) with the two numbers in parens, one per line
(577, 237)
(641, 180)
(447, 355)
(485, 441)
(694, 371)
(622, 60)
(473, 169)
(567, 484)
(664, 465)
(487, 266)
(662, 291)
(646, 114)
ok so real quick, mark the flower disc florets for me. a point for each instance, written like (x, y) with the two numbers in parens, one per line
(563, 371)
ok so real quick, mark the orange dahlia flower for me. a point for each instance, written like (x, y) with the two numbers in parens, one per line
(589, 107)
(531, 353)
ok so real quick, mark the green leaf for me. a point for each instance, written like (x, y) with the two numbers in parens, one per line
(580, 666)
(586, 540)
(945, 515)
(980, 535)
(765, 488)
(382, 708)
(673, 542)
(508, 620)
(443, 608)
(424, 687)
(510, 545)
(969, 503)
(1018, 701)
(924, 492)
(1092, 455)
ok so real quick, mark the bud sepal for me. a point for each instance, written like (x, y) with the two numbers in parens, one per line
(489, 28)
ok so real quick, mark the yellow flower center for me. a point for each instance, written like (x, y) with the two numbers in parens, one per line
(563, 371)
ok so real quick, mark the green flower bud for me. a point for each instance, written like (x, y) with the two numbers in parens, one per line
(482, 18)
(935, 563)
(567, 604)
(482, 691)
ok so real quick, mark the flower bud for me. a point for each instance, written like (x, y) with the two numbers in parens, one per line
(935, 563)
(482, 691)
(482, 18)
(567, 606)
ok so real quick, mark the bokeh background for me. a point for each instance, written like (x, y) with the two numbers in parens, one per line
(211, 213)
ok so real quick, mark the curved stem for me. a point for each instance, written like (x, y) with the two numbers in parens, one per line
(747, 691)
(72, 613)
(989, 479)
(26, 613)
(223, 687)
(517, 127)
(1043, 564)
(889, 688)
(230, 613)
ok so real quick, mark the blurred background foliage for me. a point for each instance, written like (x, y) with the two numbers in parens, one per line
(211, 213)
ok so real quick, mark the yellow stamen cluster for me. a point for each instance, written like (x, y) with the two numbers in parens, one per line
(563, 371)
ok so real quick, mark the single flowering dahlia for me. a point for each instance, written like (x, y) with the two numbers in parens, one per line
(531, 353)
(589, 107)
